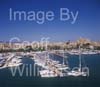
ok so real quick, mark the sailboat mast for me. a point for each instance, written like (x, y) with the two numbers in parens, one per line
(63, 57)
(80, 63)
(63, 54)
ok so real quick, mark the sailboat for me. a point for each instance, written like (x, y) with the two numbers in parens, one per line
(62, 70)
(56, 70)
(77, 71)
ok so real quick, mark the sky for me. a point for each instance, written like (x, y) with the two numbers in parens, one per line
(87, 24)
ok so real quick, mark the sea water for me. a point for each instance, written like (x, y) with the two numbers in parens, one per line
(92, 61)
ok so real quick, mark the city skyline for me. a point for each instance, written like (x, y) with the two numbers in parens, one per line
(86, 26)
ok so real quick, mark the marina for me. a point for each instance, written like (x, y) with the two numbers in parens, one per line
(50, 67)
(10, 60)
(47, 75)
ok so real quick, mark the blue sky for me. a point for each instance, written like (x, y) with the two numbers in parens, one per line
(87, 25)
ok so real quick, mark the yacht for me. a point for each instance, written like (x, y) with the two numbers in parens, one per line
(14, 62)
(2, 62)
(74, 52)
(62, 67)
(78, 71)
(89, 52)
(47, 73)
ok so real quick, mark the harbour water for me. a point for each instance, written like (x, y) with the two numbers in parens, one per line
(92, 61)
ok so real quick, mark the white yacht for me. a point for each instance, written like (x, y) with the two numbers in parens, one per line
(62, 67)
(78, 71)
(74, 52)
(89, 52)
(47, 73)
(14, 62)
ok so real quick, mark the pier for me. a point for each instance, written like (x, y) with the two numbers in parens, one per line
(58, 52)
(43, 60)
